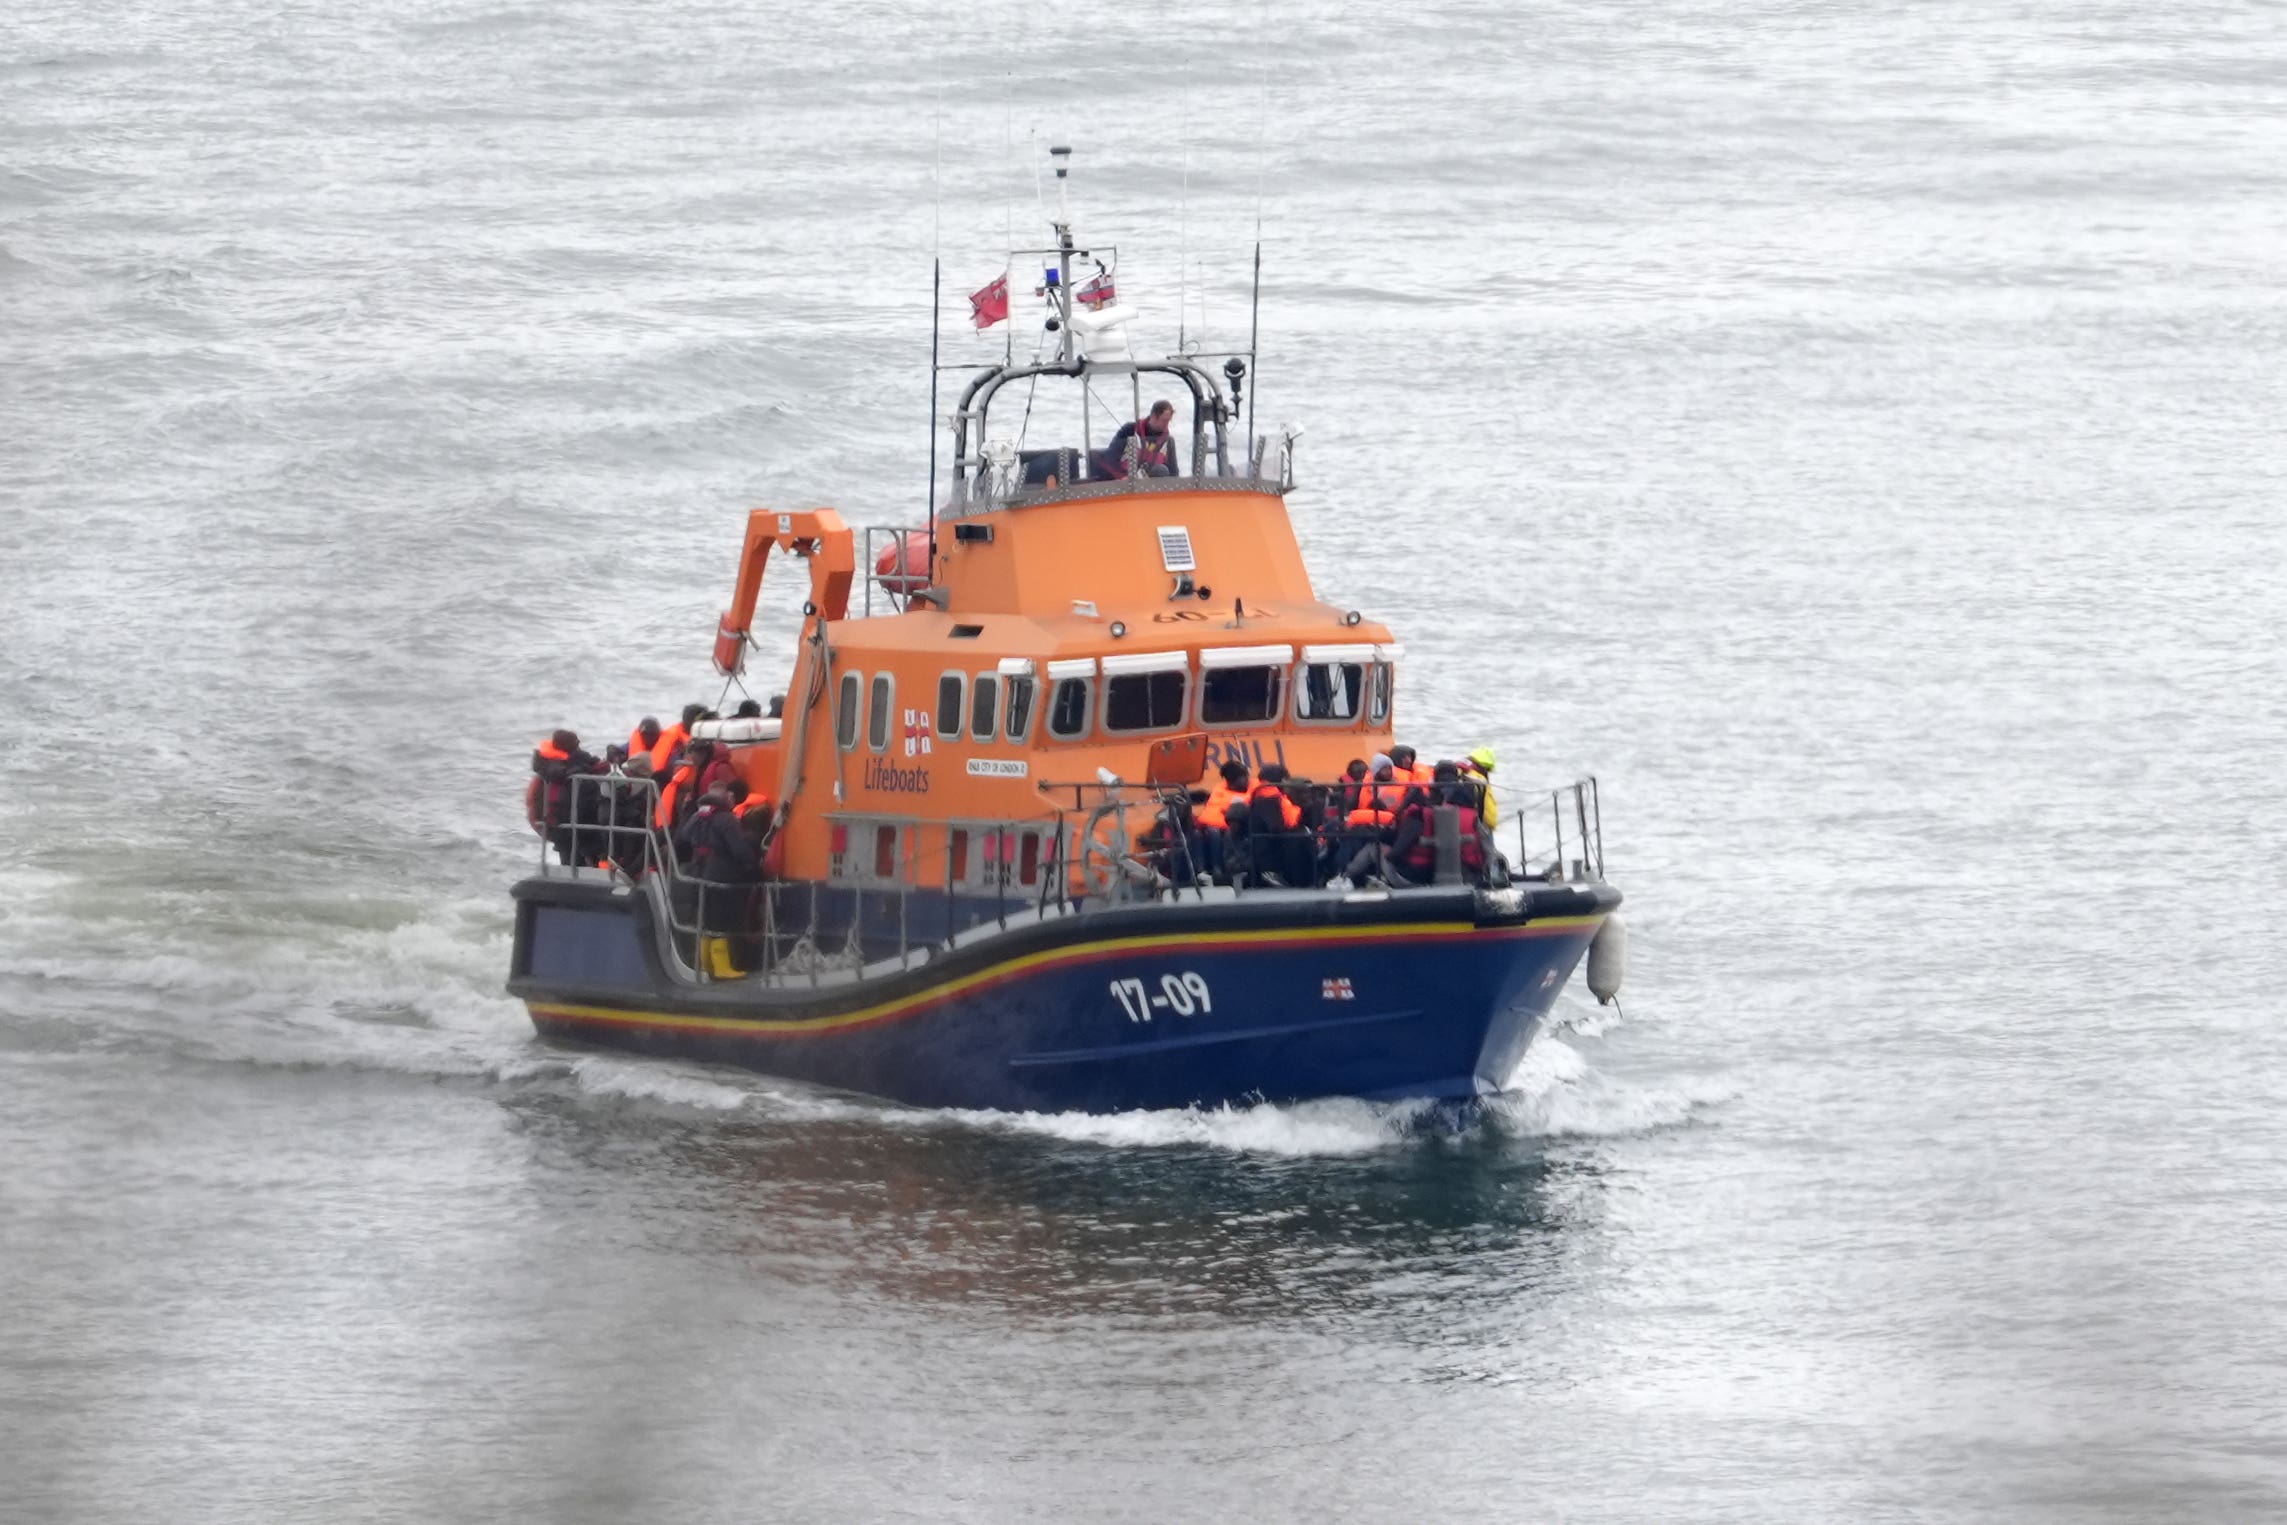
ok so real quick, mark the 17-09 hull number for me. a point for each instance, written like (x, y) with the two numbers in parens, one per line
(1184, 994)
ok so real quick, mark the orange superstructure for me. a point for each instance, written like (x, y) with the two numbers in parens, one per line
(1057, 638)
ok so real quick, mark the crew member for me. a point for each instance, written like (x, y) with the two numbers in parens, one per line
(1155, 445)
(725, 861)
(1477, 771)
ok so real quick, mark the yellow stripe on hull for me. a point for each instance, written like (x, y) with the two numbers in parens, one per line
(1080, 953)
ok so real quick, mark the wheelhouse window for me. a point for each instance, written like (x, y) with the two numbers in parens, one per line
(1329, 693)
(846, 712)
(1242, 685)
(1018, 722)
(1068, 708)
(877, 713)
(984, 706)
(1145, 691)
(1240, 695)
(1385, 683)
(949, 696)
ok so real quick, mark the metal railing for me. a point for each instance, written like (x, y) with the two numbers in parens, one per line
(1092, 856)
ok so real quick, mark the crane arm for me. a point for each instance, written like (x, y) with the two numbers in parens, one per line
(817, 534)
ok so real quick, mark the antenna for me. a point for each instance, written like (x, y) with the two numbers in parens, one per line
(1254, 332)
(936, 320)
(936, 311)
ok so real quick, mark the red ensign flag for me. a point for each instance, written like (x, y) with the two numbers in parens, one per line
(990, 305)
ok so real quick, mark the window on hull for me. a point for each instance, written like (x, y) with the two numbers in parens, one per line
(949, 697)
(846, 712)
(984, 707)
(878, 712)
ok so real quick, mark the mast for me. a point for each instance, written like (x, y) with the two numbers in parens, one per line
(1062, 155)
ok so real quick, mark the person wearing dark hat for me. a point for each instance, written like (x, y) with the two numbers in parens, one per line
(749, 709)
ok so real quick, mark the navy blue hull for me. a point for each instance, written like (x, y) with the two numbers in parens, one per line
(1421, 995)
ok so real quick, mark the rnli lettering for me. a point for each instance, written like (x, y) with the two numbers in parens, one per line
(998, 767)
(885, 777)
(1240, 750)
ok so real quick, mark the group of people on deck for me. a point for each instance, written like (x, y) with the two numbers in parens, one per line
(1375, 825)
(718, 824)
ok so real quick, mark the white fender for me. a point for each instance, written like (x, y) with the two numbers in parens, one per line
(1608, 960)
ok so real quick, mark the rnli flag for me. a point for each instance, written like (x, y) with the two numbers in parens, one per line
(1094, 293)
(916, 732)
(990, 305)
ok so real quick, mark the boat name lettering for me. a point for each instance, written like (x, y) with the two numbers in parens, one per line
(1240, 750)
(1169, 617)
(998, 767)
(887, 778)
(1184, 994)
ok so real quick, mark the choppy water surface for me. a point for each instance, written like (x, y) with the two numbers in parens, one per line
(1852, 432)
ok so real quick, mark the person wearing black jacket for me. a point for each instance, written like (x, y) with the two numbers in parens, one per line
(555, 763)
(718, 851)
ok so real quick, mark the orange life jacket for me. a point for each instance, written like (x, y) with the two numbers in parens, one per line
(549, 750)
(751, 802)
(1289, 812)
(1423, 855)
(669, 739)
(1370, 815)
(667, 796)
(1217, 810)
(635, 746)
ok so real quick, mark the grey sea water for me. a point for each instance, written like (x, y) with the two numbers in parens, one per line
(1851, 431)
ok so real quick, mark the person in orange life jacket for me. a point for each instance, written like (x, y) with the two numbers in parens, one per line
(1389, 793)
(1367, 825)
(1269, 827)
(671, 741)
(1353, 786)
(680, 794)
(1154, 442)
(1212, 818)
(1414, 852)
(551, 802)
(1402, 766)
(644, 737)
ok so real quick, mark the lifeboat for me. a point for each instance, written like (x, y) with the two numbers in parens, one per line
(984, 872)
